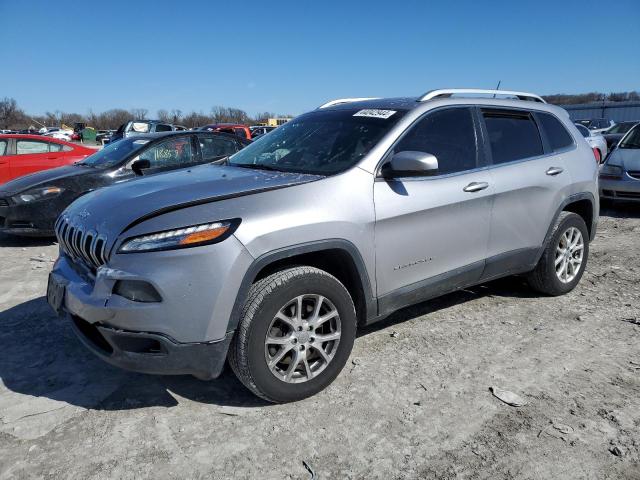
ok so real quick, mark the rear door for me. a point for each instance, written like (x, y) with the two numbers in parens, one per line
(431, 232)
(528, 174)
(34, 156)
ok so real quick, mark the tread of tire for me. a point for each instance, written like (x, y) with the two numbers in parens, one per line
(538, 278)
(238, 358)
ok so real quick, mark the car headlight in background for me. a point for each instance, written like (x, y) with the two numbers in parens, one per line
(36, 194)
(185, 237)
(610, 171)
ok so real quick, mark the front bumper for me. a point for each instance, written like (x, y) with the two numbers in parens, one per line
(32, 219)
(187, 332)
(152, 353)
(626, 188)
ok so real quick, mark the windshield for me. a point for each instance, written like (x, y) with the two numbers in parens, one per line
(631, 139)
(320, 142)
(114, 153)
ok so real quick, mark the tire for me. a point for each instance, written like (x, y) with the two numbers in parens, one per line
(545, 277)
(280, 296)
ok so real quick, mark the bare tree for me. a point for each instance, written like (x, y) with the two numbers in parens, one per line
(163, 116)
(9, 112)
(139, 113)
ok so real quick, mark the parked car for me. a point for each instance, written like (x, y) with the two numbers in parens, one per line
(103, 136)
(259, 130)
(613, 135)
(24, 154)
(597, 125)
(620, 173)
(595, 140)
(138, 127)
(240, 130)
(333, 221)
(30, 205)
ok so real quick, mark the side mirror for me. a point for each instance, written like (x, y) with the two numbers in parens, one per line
(410, 164)
(139, 165)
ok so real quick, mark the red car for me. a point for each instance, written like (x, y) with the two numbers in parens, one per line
(23, 154)
(238, 129)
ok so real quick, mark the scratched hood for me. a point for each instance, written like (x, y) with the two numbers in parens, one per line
(113, 208)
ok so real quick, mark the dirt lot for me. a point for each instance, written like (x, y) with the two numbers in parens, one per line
(413, 401)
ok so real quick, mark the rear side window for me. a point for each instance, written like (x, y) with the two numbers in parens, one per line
(447, 134)
(55, 147)
(28, 147)
(3, 147)
(513, 135)
(163, 128)
(557, 135)
(214, 148)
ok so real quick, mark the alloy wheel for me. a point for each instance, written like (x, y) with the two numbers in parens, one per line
(569, 254)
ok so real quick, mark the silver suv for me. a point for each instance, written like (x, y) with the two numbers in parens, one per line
(273, 257)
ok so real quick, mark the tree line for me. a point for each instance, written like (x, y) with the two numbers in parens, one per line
(14, 118)
(592, 97)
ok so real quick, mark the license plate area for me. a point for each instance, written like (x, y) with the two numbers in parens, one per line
(55, 294)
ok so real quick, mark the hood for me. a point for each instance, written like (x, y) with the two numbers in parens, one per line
(112, 209)
(42, 179)
(627, 158)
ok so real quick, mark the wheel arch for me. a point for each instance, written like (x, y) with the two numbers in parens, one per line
(582, 204)
(338, 257)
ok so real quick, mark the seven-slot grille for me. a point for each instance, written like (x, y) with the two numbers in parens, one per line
(81, 244)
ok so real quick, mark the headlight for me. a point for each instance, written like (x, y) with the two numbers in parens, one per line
(610, 171)
(36, 194)
(193, 236)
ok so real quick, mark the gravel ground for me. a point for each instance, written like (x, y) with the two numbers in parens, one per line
(413, 401)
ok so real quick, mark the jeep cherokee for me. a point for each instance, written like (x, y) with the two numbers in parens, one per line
(273, 257)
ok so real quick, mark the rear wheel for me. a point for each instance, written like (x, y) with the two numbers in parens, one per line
(564, 259)
(295, 334)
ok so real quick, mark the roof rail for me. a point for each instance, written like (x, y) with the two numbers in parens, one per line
(448, 92)
(346, 100)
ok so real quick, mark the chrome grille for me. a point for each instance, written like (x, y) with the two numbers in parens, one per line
(81, 244)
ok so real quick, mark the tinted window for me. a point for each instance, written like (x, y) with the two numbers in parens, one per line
(175, 152)
(631, 139)
(163, 128)
(214, 148)
(3, 147)
(513, 135)
(447, 134)
(240, 132)
(28, 147)
(557, 135)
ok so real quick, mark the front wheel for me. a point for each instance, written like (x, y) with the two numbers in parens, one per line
(295, 335)
(565, 257)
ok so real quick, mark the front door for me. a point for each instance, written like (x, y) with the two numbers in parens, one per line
(34, 156)
(431, 232)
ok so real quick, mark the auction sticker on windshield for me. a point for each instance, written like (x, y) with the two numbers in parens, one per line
(374, 113)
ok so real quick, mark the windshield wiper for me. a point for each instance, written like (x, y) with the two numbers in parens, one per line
(256, 166)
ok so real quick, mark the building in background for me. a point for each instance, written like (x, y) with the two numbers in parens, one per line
(616, 111)
(276, 122)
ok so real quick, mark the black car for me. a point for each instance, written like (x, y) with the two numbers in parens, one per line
(615, 133)
(29, 205)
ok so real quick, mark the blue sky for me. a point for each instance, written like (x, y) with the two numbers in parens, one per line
(290, 56)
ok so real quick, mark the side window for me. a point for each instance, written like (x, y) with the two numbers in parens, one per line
(55, 147)
(29, 147)
(583, 130)
(3, 147)
(160, 127)
(66, 148)
(513, 135)
(240, 132)
(214, 148)
(558, 136)
(449, 135)
(172, 153)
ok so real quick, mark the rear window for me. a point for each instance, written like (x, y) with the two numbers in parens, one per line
(513, 135)
(557, 135)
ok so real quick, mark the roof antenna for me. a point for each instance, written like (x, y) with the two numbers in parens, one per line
(497, 87)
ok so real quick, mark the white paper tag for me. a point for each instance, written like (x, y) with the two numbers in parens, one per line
(374, 113)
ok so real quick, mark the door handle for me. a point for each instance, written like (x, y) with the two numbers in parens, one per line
(475, 186)
(554, 171)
